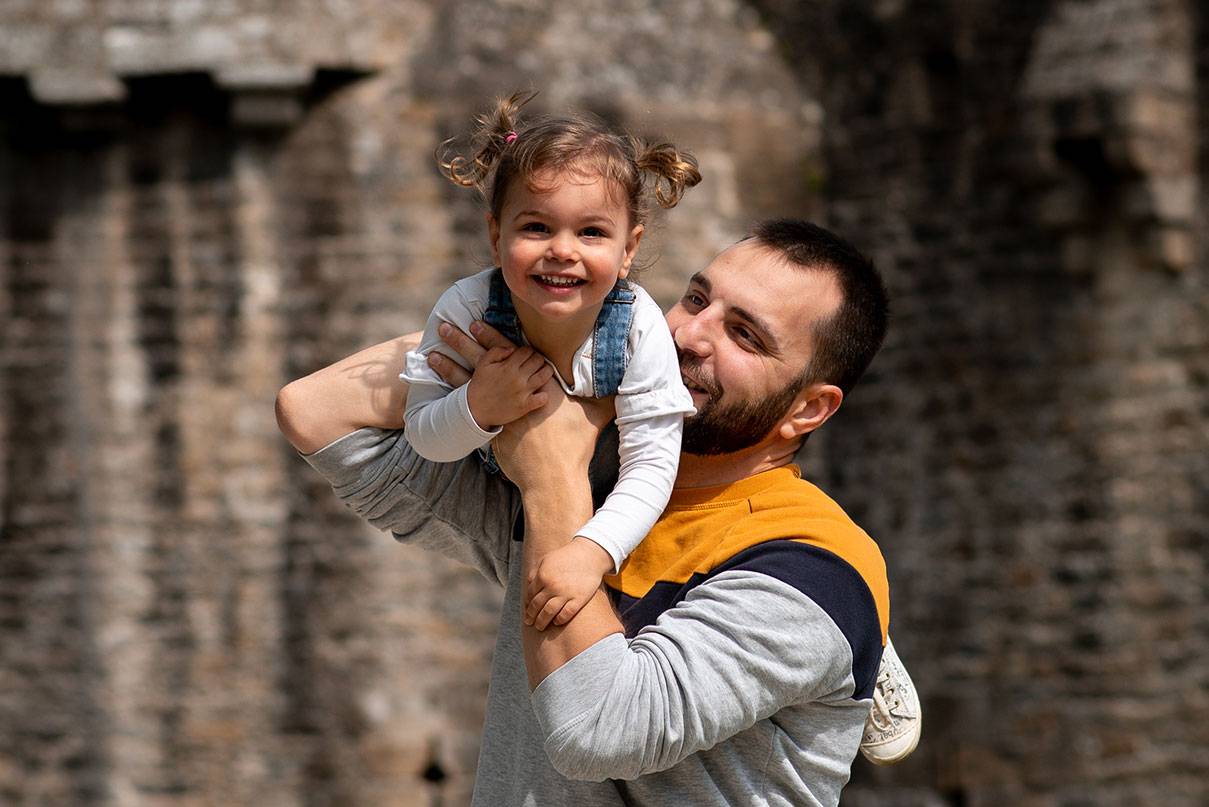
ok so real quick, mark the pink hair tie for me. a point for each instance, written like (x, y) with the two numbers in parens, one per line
(509, 138)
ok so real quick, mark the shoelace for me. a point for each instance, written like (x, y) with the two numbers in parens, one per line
(885, 701)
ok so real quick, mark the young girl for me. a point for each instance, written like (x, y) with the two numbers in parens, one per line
(567, 207)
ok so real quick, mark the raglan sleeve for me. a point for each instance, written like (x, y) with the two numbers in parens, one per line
(747, 642)
(377, 475)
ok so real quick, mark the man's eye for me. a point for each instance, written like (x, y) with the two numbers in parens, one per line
(745, 335)
(694, 299)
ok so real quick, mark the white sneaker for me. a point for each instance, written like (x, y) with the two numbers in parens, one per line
(895, 722)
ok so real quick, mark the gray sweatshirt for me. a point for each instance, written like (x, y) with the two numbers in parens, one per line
(745, 680)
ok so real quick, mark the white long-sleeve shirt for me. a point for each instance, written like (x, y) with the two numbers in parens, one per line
(651, 404)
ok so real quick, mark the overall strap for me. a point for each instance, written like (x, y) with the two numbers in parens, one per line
(609, 335)
(500, 313)
(609, 340)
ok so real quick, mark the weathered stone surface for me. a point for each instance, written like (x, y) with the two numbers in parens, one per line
(1027, 428)
(187, 615)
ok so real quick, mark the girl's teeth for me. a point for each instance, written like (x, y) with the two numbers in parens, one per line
(559, 281)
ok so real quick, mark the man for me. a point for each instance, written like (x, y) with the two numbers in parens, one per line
(741, 661)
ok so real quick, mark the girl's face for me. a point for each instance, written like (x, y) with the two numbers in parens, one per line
(563, 240)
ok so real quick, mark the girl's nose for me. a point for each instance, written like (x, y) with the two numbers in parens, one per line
(563, 248)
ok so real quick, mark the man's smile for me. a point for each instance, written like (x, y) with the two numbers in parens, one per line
(702, 388)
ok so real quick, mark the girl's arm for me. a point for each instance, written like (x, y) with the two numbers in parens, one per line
(564, 580)
(650, 407)
(446, 424)
(651, 404)
(649, 452)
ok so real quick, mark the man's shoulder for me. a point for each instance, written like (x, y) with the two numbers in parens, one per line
(787, 540)
(799, 510)
(796, 532)
(793, 507)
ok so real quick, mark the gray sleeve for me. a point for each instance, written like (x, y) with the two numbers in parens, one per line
(455, 508)
(739, 648)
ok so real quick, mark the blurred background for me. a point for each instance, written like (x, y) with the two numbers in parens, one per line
(202, 200)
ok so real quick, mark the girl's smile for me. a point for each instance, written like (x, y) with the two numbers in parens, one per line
(563, 240)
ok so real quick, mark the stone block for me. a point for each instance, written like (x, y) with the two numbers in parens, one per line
(1168, 200)
(23, 45)
(265, 76)
(1063, 207)
(1158, 112)
(75, 87)
(1173, 247)
(266, 110)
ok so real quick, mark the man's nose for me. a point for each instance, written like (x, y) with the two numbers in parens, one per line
(693, 335)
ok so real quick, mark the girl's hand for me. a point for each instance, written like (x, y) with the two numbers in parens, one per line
(555, 441)
(506, 379)
(563, 581)
(506, 385)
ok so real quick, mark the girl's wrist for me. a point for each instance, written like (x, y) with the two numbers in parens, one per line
(599, 559)
(481, 418)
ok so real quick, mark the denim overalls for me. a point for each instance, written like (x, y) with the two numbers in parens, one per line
(608, 337)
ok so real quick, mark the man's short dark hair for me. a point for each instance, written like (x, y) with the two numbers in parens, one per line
(846, 342)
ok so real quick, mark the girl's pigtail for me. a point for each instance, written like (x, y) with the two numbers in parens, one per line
(675, 171)
(490, 137)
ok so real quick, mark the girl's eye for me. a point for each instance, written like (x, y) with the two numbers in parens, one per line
(593, 232)
(533, 227)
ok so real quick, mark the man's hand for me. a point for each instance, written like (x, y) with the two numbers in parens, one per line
(507, 380)
(467, 347)
(553, 443)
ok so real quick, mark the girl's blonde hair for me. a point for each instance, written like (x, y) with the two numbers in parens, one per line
(505, 149)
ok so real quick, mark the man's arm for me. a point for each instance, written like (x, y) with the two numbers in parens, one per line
(556, 494)
(346, 419)
(360, 391)
(554, 486)
(741, 646)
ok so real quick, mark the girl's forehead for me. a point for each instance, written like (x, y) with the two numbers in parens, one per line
(546, 182)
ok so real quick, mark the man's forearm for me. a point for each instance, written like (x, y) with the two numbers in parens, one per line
(361, 390)
(552, 515)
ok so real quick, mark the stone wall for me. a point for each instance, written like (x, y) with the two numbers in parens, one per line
(198, 203)
(1032, 444)
(202, 201)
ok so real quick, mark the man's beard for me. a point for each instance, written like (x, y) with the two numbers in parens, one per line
(719, 428)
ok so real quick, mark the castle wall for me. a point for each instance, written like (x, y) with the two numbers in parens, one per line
(199, 203)
(202, 201)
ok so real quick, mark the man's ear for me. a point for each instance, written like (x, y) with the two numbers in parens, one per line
(812, 407)
(631, 249)
(493, 233)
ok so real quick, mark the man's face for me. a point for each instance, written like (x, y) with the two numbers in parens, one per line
(743, 331)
